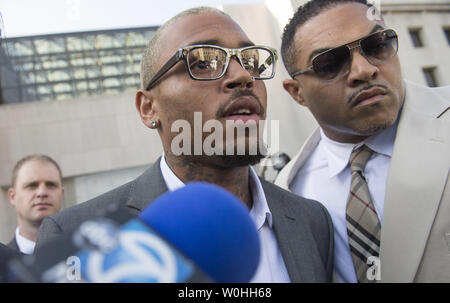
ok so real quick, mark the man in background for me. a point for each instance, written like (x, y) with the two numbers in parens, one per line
(36, 193)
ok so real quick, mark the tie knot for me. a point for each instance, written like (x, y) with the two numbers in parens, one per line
(359, 158)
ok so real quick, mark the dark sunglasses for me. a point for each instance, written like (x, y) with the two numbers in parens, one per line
(335, 63)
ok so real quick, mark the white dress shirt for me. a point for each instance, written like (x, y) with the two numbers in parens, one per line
(25, 246)
(271, 267)
(325, 177)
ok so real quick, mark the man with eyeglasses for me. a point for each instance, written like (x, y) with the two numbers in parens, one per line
(201, 61)
(379, 160)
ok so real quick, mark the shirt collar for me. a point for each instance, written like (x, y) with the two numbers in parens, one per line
(25, 246)
(172, 181)
(338, 154)
(260, 210)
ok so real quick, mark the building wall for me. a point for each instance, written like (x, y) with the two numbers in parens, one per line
(436, 49)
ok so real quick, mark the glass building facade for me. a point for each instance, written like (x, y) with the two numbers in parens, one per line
(71, 65)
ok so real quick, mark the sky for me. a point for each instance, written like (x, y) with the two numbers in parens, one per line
(36, 17)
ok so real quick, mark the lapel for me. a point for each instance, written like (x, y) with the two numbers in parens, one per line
(418, 171)
(146, 188)
(284, 227)
(292, 235)
(13, 244)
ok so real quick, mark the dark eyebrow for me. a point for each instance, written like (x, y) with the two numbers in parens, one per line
(323, 49)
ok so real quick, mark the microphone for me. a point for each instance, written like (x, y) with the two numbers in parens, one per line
(279, 161)
(198, 233)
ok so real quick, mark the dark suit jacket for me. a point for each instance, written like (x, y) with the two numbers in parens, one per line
(6, 253)
(13, 244)
(303, 228)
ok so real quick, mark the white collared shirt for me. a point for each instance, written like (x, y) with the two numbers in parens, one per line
(325, 177)
(271, 267)
(25, 246)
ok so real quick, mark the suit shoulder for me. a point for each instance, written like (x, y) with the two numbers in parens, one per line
(71, 217)
(13, 244)
(7, 252)
(432, 101)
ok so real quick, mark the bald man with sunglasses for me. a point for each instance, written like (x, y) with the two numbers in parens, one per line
(379, 160)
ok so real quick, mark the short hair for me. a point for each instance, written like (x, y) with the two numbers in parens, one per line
(304, 13)
(151, 54)
(34, 157)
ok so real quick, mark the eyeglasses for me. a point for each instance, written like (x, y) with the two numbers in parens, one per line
(210, 62)
(335, 63)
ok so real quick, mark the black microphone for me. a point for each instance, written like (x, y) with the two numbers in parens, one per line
(198, 233)
(280, 160)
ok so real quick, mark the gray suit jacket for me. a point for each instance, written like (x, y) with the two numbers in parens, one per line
(415, 232)
(303, 228)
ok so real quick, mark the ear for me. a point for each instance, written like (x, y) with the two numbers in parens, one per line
(294, 89)
(144, 102)
(11, 195)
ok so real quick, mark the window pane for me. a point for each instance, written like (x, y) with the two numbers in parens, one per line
(430, 76)
(416, 37)
(447, 34)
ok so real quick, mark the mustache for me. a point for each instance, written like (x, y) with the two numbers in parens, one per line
(352, 97)
(235, 95)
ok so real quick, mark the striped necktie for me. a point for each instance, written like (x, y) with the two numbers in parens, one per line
(363, 226)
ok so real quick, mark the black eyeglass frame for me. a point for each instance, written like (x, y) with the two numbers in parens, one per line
(311, 67)
(182, 53)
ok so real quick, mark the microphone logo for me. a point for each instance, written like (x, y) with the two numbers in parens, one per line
(140, 256)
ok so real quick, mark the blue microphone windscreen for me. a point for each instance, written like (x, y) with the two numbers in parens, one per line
(210, 226)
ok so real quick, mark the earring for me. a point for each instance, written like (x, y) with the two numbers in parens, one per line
(153, 124)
